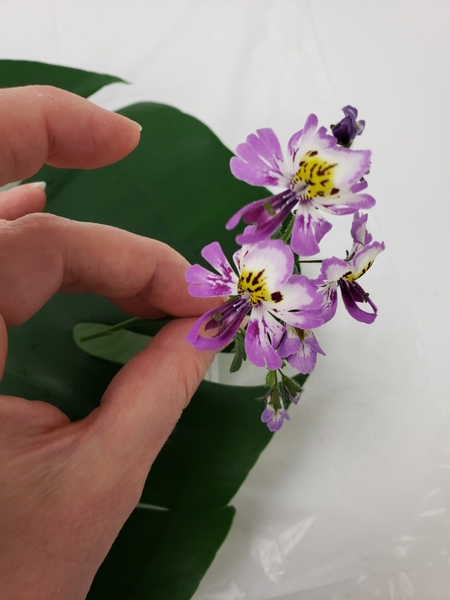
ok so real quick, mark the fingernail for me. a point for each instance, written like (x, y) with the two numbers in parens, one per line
(41, 184)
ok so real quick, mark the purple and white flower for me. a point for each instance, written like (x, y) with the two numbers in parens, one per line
(360, 236)
(265, 289)
(274, 416)
(300, 348)
(343, 274)
(348, 128)
(316, 176)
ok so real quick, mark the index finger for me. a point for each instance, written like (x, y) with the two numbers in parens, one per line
(41, 254)
(43, 124)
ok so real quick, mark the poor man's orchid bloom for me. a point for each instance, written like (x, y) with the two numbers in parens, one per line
(344, 274)
(265, 288)
(348, 128)
(300, 348)
(316, 176)
(274, 414)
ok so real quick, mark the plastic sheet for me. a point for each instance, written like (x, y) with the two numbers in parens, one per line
(351, 498)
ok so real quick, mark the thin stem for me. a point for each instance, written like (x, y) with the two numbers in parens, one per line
(287, 234)
(310, 261)
(113, 329)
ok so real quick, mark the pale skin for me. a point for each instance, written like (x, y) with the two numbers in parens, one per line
(67, 488)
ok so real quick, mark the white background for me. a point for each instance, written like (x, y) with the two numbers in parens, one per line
(351, 498)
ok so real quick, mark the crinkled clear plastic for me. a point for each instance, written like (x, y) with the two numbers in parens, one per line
(350, 500)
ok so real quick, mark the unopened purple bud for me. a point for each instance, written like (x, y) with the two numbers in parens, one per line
(348, 128)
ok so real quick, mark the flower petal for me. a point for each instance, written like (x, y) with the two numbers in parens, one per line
(214, 254)
(332, 269)
(329, 305)
(298, 139)
(274, 419)
(225, 333)
(290, 343)
(262, 335)
(273, 258)
(298, 293)
(353, 293)
(309, 228)
(268, 214)
(361, 237)
(204, 284)
(257, 160)
(304, 360)
(363, 259)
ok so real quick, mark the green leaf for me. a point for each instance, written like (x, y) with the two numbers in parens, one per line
(239, 352)
(161, 555)
(14, 73)
(118, 347)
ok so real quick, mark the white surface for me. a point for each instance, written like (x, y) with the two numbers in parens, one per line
(351, 498)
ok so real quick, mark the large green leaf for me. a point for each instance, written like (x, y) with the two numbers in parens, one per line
(161, 555)
(14, 73)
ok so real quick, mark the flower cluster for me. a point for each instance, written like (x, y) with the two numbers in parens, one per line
(272, 309)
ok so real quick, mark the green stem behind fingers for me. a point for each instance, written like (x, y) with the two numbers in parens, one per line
(113, 329)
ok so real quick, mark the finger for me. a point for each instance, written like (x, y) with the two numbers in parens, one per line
(41, 254)
(22, 200)
(144, 401)
(42, 124)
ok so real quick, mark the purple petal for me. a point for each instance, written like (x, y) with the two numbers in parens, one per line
(360, 236)
(214, 254)
(290, 343)
(348, 128)
(274, 420)
(235, 311)
(262, 332)
(266, 223)
(304, 360)
(364, 259)
(204, 284)
(353, 293)
(329, 306)
(294, 142)
(332, 269)
(308, 231)
(257, 160)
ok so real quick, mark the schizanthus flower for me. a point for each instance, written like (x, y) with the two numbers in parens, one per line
(300, 348)
(265, 289)
(274, 415)
(316, 175)
(344, 274)
(348, 128)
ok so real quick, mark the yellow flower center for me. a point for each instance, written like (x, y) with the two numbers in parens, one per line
(254, 284)
(354, 276)
(316, 174)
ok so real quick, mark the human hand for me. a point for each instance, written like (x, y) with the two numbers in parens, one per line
(67, 488)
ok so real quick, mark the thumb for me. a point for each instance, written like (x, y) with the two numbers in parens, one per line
(144, 401)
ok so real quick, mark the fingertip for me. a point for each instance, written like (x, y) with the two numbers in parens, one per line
(22, 200)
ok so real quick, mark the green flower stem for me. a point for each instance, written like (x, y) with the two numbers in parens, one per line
(287, 233)
(113, 329)
(309, 261)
